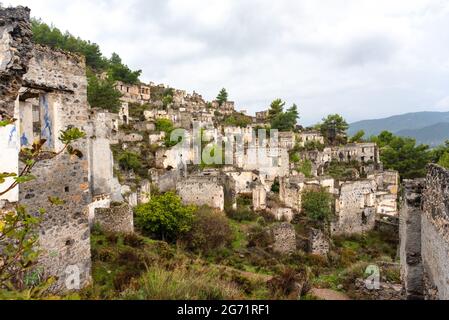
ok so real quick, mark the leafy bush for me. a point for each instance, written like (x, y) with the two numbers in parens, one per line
(305, 167)
(129, 161)
(164, 125)
(238, 120)
(242, 214)
(210, 231)
(260, 237)
(165, 217)
(313, 145)
(343, 170)
(290, 284)
(317, 205)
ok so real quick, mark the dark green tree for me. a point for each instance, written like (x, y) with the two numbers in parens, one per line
(283, 121)
(334, 128)
(102, 93)
(438, 152)
(358, 137)
(53, 37)
(403, 155)
(276, 109)
(222, 97)
(119, 71)
(383, 139)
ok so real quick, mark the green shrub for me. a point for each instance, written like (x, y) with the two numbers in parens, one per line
(129, 161)
(242, 214)
(238, 120)
(314, 145)
(305, 167)
(165, 217)
(260, 237)
(276, 187)
(294, 158)
(317, 205)
(164, 125)
(210, 231)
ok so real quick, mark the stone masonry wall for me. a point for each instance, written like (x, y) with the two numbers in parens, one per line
(15, 52)
(424, 234)
(355, 208)
(435, 232)
(202, 191)
(64, 238)
(115, 219)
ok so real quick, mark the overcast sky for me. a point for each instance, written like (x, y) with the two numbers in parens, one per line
(361, 58)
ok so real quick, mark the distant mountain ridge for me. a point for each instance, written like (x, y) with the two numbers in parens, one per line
(430, 128)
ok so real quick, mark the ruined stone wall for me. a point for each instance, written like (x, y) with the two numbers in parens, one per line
(424, 234)
(284, 236)
(318, 243)
(435, 232)
(387, 194)
(101, 162)
(355, 208)
(202, 191)
(115, 219)
(64, 238)
(15, 52)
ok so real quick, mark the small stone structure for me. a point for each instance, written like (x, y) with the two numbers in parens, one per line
(115, 219)
(318, 243)
(284, 236)
(309, 136)
(201, 191)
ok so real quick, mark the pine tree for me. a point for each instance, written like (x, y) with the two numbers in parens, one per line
(222, 97)
(276, 109)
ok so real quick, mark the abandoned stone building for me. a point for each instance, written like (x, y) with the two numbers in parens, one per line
(138, 93)
(46, 91)
(308, 136)
(424, 235)
(358, 203)
(262, 116)
(52, 96)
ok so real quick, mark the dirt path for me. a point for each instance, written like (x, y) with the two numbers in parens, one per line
(327, 294)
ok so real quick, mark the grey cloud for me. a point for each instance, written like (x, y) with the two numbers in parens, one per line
(369, 49)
